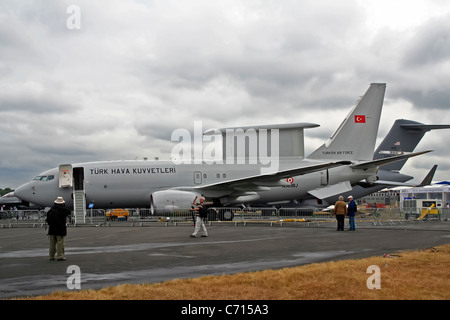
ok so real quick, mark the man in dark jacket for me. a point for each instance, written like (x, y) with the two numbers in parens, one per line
(351, 212)
(200, 217)
(56, 220)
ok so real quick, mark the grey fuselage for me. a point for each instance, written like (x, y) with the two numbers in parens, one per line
(120, 184)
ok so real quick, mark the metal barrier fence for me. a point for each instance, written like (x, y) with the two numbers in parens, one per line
(144, 216)
(34, 218)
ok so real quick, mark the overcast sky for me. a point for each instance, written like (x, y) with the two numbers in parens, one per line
(115, 83)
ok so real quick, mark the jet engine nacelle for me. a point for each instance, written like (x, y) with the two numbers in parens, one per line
(169, 200)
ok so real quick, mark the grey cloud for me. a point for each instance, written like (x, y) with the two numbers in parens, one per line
(33, 102)
(431, 45)
(438, 98)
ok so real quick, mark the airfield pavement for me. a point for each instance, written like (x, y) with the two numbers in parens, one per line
(121, 253)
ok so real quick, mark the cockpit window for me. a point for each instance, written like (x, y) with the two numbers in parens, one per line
(44, 178)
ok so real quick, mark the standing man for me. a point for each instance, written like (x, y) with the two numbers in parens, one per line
(200, 216)
(340, 211)
(56, 220)
(351, 212)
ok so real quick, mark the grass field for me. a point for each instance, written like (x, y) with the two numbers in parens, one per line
(409, 275)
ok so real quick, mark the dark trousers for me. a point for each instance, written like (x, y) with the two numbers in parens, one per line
(340, 221)
(56, 247)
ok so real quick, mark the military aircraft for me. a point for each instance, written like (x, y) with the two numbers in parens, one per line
(344, 160)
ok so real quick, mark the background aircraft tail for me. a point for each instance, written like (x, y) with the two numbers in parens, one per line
(429, 177)
(403, 137)
(356, 137)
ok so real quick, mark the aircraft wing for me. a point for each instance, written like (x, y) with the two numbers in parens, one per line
(261, 182)
(380, 162)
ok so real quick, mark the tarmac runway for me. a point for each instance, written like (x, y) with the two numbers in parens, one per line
(121, 253)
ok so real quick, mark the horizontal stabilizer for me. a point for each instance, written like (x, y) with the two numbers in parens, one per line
(391, 183)
(403, 137)
(424, 127)
(380, 162)
(325, 192)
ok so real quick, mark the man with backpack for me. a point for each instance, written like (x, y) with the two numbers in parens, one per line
(56, 220)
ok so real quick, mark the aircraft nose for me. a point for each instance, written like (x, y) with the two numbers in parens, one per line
(23, 192)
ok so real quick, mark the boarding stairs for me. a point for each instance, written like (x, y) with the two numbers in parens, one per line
(79, 206)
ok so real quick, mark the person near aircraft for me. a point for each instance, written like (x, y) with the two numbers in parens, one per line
(193, 210)
(56, 220)
(200, 216)
(340, 211)
(351, 212)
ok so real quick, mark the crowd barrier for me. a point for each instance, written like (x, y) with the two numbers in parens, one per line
(145, 216)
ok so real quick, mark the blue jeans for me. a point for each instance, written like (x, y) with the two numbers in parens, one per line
(351, 221)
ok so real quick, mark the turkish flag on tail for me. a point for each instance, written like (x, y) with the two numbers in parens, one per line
(360, 119)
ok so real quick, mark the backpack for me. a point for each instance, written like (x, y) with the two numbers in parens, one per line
(203, 213)
(51, 216)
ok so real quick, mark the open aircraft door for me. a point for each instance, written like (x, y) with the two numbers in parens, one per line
(78, 179)
(65, 176)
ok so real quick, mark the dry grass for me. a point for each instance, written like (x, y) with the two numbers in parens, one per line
(414, 275)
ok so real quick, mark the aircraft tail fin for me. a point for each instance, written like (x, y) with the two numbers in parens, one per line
(429, 177)
(356, 137)
(404, 136)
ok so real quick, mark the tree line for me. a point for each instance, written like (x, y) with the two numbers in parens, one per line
(5, 191)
